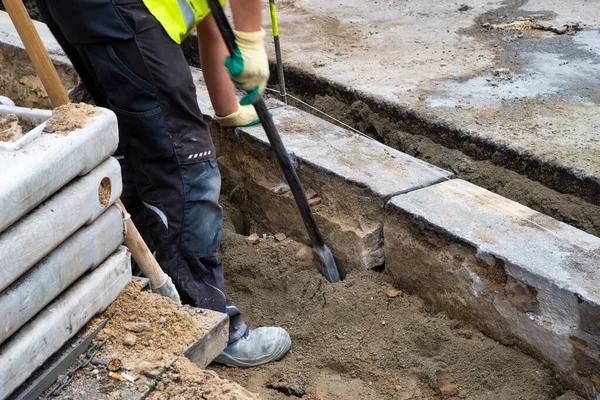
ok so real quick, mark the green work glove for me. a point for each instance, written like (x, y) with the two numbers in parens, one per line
(249, 65)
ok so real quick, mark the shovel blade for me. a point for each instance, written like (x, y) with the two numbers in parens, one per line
(326, 263)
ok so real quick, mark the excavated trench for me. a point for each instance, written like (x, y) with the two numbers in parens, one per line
(362, 338)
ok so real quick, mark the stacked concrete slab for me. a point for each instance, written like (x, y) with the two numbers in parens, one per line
(61, 259)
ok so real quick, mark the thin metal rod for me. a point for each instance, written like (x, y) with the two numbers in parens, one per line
(278, 58)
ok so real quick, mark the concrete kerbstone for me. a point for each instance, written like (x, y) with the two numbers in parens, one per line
(84, 250)
(32, 174)
(520, 275)
(356, 159)
(352, 177)
(36, 234)
(58, 322)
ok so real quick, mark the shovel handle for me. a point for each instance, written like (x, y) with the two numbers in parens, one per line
(141, 253)
(323, 256)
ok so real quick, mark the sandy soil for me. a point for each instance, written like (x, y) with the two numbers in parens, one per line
(362, 339)
(69, 117)
(186, 381)
(146, 335)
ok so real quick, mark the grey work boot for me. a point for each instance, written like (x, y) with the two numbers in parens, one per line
(257, 347)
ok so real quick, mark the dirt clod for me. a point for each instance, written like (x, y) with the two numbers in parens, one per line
(34, 84)
(391, 292)
(290, 385)
(446, 384)
(129, 339)
(280, 237)
(304, 254)
(253, 239)
(70, 117)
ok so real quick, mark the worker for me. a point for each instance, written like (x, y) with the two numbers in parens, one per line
(127, 55)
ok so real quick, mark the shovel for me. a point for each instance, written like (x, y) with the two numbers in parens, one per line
(322, 254)
(159, 281)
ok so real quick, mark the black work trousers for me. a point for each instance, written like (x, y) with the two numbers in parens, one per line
(130, 65)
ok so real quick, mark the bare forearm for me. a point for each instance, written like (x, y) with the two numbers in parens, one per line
(247, 15)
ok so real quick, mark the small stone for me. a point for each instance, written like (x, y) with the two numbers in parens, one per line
(486, 25)
(163, 322)
(311, 193)
(95, 371)
(391, 292)
(466, 333)
(280, 237)
(253, 239)
(383, 323)
(137, 327)
(129, 340)
(154, 374)
(446, 384)
(304, 254)
(315, 201)
(289, 385)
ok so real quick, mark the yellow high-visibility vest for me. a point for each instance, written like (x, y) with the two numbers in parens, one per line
(179, 17)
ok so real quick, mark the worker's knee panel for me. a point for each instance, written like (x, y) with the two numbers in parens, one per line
(203, 216)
